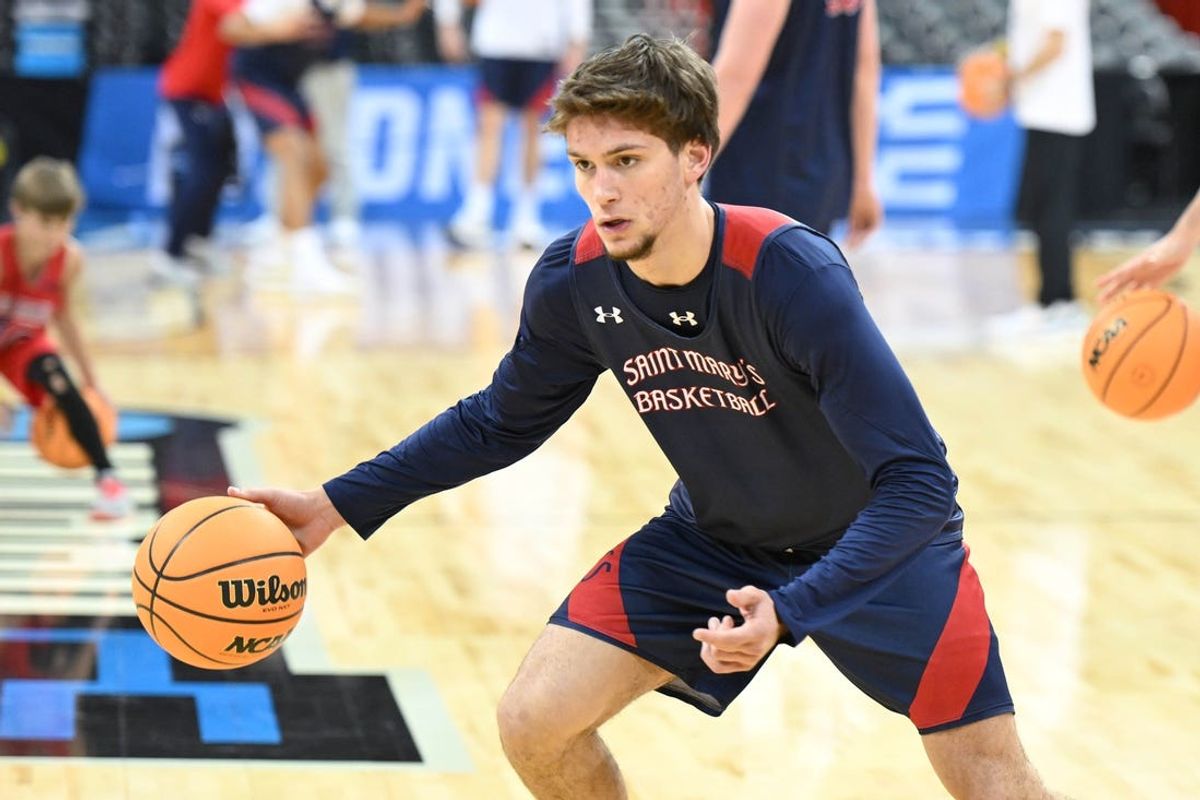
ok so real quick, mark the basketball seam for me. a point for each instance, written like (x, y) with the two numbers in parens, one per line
(190, 531)
(201, 614)
(154, 569)
(228, 564)
(1113, 373)
(1174, 367)
(188, 644)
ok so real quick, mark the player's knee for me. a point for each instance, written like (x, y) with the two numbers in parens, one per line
(48, 371)
(530, 727)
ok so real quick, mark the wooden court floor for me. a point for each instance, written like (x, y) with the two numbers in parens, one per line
(1084, 528)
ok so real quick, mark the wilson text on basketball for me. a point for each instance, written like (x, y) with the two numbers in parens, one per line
(247, 592)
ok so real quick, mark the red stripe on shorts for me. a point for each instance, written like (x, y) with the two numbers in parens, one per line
(959, 659)
(274, 107)
(596, 601)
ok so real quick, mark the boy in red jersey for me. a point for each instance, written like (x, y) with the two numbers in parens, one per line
(39, 262)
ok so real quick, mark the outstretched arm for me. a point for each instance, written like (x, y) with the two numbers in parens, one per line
(262, 22)
(1158, 262)
(538, 385)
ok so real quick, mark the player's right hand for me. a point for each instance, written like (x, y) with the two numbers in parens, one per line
(310, 515)
(1148, 269)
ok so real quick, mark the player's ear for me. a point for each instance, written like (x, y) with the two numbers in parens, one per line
(697, 157)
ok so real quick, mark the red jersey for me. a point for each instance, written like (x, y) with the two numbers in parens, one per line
(26, 307)
(198, 66)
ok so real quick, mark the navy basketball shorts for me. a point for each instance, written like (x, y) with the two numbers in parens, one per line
(275, 105)
(517, 83)
(923, 647)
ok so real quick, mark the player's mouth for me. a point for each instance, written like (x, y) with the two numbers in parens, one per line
(614, 225)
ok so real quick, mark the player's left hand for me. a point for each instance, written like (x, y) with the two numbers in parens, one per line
(866, 214)
(726, 647)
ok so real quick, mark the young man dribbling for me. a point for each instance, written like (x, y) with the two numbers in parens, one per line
(814, 499)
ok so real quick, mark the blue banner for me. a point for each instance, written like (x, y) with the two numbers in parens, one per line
(412, 130)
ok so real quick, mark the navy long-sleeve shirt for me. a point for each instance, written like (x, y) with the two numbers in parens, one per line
(788, 419)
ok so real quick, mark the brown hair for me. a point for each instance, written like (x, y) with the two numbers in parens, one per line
(660, 86)
(48, 186)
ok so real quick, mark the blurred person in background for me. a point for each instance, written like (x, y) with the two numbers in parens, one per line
(798, 86)
(193, 84)
(327, 86)
(1152, 267)
(268, 78)
(1050, 81)
(522, 47)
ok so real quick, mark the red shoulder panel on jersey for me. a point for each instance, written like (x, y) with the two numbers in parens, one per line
(588, 246)
(746, 228)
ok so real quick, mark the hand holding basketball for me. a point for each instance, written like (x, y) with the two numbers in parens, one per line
(1149, 269)
(219, 583)
(310, 515)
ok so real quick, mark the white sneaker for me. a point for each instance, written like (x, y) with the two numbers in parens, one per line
(1066, 316)
(112, 501)
(1061, 319)
(528, 232)
(345, 233)
(166, 270)
(207, 256)
(312, 271)
(471, 230)
(1023, 321)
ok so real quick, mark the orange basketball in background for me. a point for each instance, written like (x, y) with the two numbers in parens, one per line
(981, 83)
(1141, 355)
(219, 582)
(51, 435)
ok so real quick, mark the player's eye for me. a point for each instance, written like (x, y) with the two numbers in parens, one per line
(583, 166)
(626, 161)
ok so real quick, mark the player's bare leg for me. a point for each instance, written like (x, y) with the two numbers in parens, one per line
(985, 760)
(567, 687)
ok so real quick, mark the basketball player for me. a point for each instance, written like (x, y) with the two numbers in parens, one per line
(814, 498)
(40, 263)
(193, 83)
(1153, 266)
(798, 84)
(523, 47)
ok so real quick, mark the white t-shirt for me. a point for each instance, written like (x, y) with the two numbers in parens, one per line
(537, 30)
(1058, 98)
(345, 13)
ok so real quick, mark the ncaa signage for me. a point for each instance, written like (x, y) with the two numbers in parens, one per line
(411, 150)
(935, 162)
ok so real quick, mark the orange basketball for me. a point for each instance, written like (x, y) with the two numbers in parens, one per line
(219, 583)
(981, 84)
(52, 437)
(1141, 356)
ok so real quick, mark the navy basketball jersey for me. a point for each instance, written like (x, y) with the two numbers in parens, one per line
(792, 150)
(721, 404)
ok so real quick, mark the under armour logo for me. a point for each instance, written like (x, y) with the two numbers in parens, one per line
(603, 317)
(689, 318)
